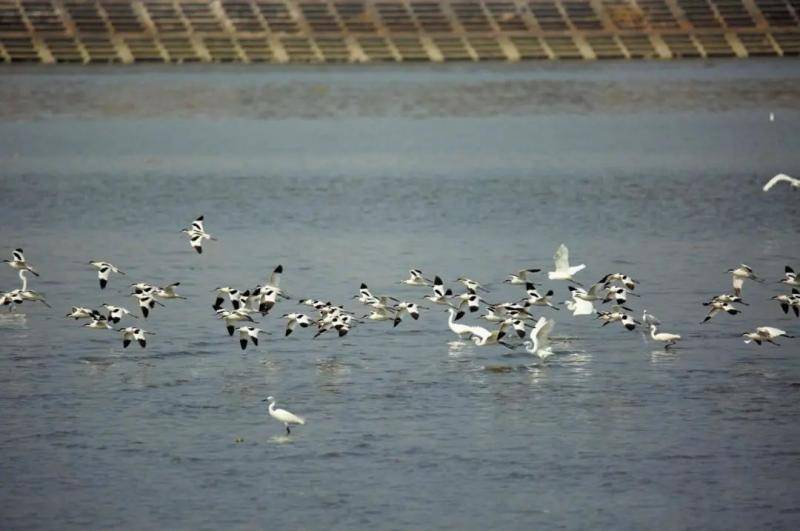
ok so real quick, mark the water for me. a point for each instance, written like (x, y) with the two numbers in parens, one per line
(357, 174)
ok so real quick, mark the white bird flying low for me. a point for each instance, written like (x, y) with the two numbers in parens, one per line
(79, 312)
(765, 333)
(248, 332)
(18, 262)
(415, 278)
(539, 343)
(132, 333)
(563, 270)
(104, 270)
(197, 234)
(168, 292)
(521, 276)
(739, 275)
(471, 284)
(782, 177)
(582, 302)
(283, 416)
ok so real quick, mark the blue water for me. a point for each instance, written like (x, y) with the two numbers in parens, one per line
(650, 169)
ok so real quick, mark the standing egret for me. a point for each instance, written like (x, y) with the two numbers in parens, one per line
(281, 415)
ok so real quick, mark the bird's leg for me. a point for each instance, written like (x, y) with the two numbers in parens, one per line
(288, 431)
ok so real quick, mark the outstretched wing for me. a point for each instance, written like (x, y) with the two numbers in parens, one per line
(198, 224)
(275, 277)
(544, 333)
(561, 258)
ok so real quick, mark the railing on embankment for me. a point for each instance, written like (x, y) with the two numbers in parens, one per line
(336, 31)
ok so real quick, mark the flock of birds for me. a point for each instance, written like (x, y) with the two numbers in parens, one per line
(511, 324)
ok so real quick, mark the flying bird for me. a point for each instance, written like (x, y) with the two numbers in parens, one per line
(104, 270)
(563, 270)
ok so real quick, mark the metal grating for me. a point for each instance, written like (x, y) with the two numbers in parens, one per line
(392, 30)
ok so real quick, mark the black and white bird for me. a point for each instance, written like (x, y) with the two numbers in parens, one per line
(765, 333)
(616, 315)
(168, 292)
(726, 298)
(409, 308)
(11, 299)
(293, 320)
(80, 312)
(231, 317)
(273, 283)
(381, 314)
(521, 276)
(115, 313)
(104, 270)
(234, 295)
(470, 299)
(415, 278)
(132, 333)
(197, 234)
(790, 277)
(537, 299)
(621, 278)
(471, 284)
(18, 262)
(789, 301)
(618, 295)
(719, 307)
(563, 271)
(248, 332)
(739, 275)
(99, 322)
(146, 303)
(439, 295)
(780, 178)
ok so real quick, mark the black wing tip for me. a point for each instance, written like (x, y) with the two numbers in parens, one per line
(279, 269)
(243, 343)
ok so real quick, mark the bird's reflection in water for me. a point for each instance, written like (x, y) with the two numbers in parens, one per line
(663, 356)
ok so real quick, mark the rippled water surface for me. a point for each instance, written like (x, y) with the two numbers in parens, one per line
(355, 175)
